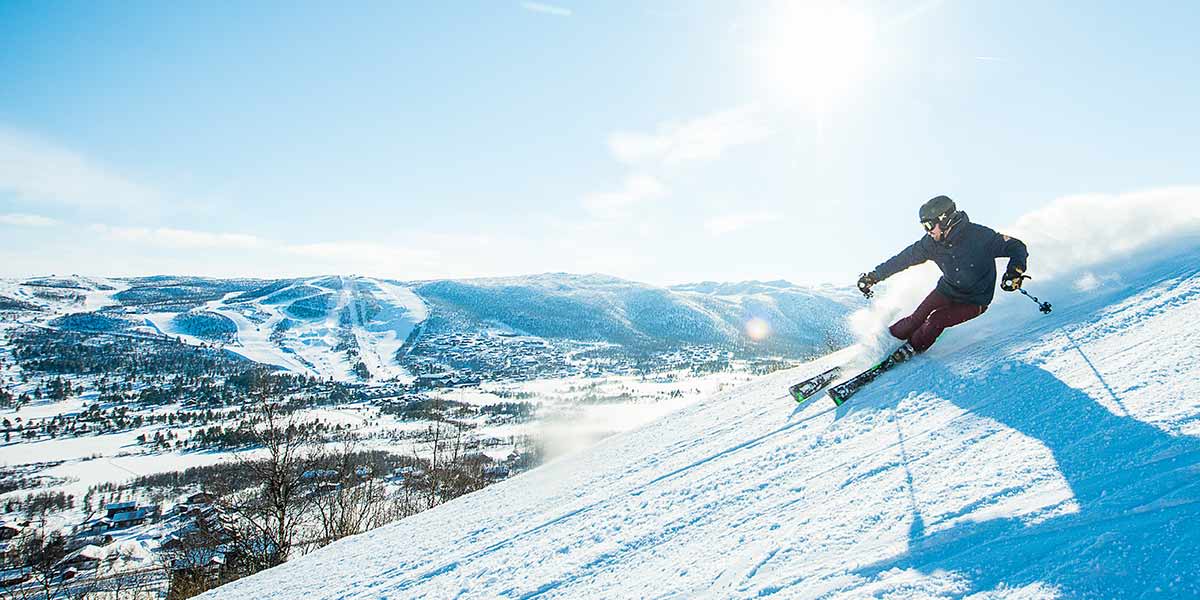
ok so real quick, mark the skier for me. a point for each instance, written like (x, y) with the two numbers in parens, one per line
(966, 253)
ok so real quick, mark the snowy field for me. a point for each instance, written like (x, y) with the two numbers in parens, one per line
(573, 414)
(576, 412)
(1024, 456)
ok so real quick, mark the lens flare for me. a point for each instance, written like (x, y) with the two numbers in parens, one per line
(758, 329)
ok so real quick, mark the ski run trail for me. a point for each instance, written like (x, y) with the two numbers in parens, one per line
(1024, 456)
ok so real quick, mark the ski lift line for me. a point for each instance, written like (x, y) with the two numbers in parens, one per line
(127, 470)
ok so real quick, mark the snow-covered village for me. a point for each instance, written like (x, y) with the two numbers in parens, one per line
(784, 299)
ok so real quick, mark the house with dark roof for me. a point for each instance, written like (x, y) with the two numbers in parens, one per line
(84, 558)
(9, 530)
(201, 498)
(112, 509)
(130, 518)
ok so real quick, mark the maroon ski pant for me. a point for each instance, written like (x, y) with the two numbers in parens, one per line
(934, 315)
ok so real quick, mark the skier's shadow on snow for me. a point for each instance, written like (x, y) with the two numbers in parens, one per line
(1137, 529)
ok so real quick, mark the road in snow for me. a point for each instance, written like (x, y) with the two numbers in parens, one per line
(1023, 456)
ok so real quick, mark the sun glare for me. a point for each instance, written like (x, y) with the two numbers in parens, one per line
(758, 329)
(811, 54)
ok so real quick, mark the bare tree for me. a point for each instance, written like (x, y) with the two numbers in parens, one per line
(272, 510)
(146, 583)
(197, 562)
(356, 502)
(40, 553)
(450, 473)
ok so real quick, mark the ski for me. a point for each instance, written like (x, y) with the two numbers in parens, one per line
(809, 387)
(842, 391)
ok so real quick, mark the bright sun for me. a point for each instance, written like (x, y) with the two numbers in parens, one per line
(812, 53)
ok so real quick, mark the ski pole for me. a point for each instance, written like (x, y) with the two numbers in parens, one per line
(1042, 306)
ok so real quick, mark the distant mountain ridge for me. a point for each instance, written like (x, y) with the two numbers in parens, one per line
(354, 328)
(604, 308)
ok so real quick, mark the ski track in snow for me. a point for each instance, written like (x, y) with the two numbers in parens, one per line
(307, 347)
(1023, 457)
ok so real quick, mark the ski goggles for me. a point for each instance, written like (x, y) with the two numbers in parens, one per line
(929, 225)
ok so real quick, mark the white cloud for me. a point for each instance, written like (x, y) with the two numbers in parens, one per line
(637, 189)
(723, 224)
(1076, 232)
(180, 238)
(704, 138)
(38, 171)
(422, 255)
(546, 9)
(375, 254)
(23, 220)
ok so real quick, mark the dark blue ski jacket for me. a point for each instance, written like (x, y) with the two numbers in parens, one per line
(967, 257)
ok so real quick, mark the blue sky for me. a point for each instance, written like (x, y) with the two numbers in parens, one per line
(659, 141)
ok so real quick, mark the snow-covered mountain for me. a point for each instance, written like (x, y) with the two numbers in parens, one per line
(344, 328)
(352, 328)
(340, 327)
(612, 310)
(1023, 456)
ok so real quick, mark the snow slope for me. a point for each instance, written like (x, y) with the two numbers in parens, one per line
(369, 316)
(1023, 456)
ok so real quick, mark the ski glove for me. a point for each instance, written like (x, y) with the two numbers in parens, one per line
(865, 281)
(1012, 280)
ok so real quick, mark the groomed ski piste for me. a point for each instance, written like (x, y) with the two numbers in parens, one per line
(1023, 456)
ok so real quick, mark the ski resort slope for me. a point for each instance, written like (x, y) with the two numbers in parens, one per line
(1024, 456)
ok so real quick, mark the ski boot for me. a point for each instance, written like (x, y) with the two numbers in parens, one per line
(903, 353)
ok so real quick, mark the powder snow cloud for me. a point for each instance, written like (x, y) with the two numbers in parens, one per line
(1070, 237)
(1077, 232)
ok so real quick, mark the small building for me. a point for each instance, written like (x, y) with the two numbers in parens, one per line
(101, 539)
(496, 472)
(9, 530)
(14, 576)
(99, 525)
(83, 559)
(434, 379)
(112, 509)
(130, 518)
(201, 498)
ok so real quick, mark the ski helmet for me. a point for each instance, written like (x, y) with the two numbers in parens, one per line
(940, 209)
